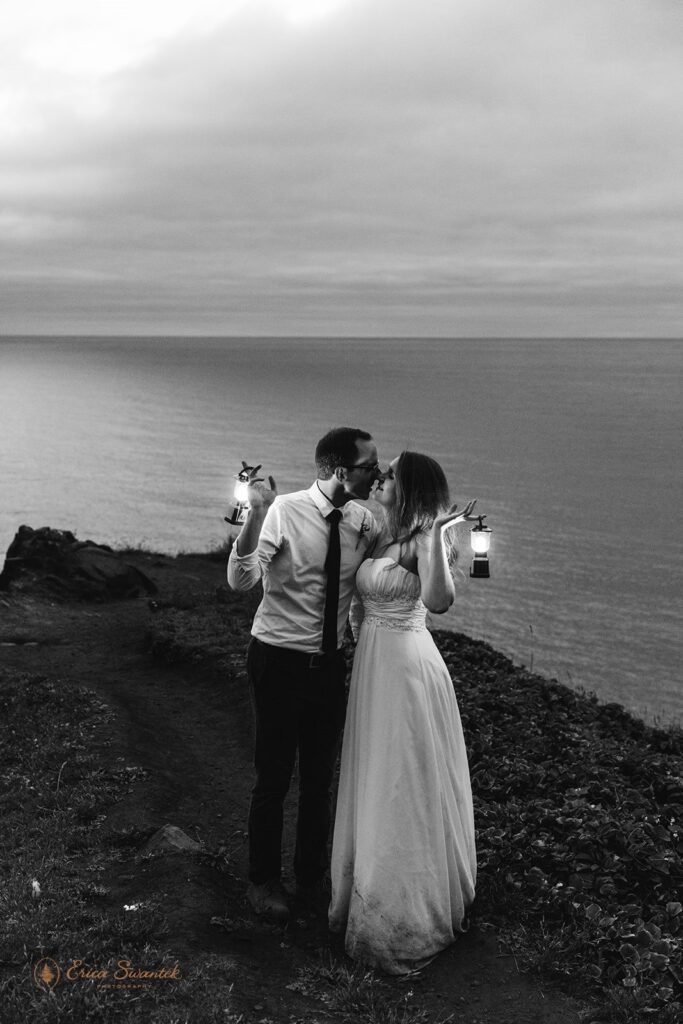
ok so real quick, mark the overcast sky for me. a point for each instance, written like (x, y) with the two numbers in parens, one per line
(391, 167)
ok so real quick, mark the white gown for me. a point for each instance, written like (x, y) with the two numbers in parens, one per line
(403, 855)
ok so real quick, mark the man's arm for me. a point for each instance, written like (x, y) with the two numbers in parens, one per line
(247, 542)
(245, 563)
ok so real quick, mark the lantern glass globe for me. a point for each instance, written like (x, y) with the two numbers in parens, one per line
(480, 540)
(242, 491)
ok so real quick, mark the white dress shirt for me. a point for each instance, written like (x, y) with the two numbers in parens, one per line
(290, 560)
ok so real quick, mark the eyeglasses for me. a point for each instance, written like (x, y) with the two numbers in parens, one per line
(370, 467)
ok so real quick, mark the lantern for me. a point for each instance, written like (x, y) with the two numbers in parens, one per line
(238, 512)
(480, 539)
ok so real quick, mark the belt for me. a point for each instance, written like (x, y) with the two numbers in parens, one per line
(305, 659)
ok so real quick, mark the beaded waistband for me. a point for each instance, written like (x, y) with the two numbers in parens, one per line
(396, 624)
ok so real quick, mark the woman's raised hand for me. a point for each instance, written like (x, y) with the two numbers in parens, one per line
(452, 517)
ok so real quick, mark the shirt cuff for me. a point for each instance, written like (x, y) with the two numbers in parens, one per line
(247, 561)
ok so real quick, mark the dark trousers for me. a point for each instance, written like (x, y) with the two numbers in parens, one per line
(296, 707)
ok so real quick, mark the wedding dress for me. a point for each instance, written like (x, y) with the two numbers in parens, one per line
(403, 855)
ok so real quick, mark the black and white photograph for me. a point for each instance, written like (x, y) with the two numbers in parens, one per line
(341, 407)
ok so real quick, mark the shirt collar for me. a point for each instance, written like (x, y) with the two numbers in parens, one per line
(321, 501)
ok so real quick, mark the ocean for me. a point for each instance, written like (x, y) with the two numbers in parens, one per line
(570, 446)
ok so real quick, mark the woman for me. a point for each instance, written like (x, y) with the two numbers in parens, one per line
(403, 855)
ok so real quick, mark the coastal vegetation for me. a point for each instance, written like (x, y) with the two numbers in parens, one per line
(580, 832)
(579, 811)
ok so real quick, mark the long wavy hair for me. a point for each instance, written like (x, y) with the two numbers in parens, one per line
(421, 495)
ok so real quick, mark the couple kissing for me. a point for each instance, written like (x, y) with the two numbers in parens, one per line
(403, 865)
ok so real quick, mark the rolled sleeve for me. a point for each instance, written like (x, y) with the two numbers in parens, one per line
(244, 571)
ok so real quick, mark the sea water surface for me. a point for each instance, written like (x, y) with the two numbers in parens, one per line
(571, 448)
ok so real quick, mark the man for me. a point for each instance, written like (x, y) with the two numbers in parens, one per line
(306, 548)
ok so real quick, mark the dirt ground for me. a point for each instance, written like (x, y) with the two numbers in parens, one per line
(191, 732)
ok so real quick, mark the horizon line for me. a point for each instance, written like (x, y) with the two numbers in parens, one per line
(355, 337)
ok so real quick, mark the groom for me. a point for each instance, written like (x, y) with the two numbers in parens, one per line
(305, 547)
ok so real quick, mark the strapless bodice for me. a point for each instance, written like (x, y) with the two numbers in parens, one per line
(391, 595)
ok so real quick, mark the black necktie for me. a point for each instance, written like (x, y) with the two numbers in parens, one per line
(332, 563)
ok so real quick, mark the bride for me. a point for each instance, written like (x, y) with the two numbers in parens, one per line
(403, 854)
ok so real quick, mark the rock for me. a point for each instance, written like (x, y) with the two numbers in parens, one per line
(170, 839)
(55, 560)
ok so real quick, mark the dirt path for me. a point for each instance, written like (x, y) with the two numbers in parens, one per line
(191, 732)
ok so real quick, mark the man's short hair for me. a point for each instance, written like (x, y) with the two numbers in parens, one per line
(338, 448)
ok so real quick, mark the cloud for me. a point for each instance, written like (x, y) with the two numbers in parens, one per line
(395, 167)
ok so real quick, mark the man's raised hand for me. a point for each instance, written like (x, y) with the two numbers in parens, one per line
(258, 495)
